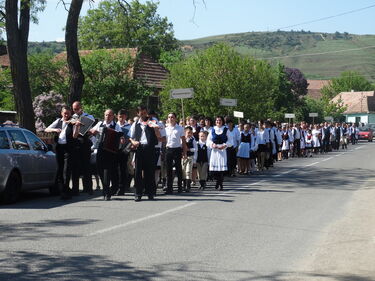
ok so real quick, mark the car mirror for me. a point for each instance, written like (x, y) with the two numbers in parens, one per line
(49, 147)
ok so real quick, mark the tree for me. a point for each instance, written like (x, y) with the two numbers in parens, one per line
(298, 81)
(109, 84)
(6, 94)
(77, 78)
(220, 72)
(17, 21)
(347, 81)
(46, 75)
(119, 24)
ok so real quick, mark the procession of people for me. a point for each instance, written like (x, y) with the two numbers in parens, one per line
(151, 153)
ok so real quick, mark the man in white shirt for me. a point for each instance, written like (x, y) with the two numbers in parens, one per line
(66, 153)
(84, 150)
(175, 149)
(144, 136)
(106, 160)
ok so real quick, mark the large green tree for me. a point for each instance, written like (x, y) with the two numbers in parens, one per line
(261, 89)
(119, 24)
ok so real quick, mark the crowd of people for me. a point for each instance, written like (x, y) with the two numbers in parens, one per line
(152, 152)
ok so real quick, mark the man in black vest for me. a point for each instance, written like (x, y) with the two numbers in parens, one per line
(84, 152)
(144, 135)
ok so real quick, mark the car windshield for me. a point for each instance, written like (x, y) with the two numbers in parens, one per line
(364, 129)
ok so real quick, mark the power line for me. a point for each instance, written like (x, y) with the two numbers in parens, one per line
(329, 17)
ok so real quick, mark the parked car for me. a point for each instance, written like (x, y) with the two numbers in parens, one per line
(366, 133)
(26, 163)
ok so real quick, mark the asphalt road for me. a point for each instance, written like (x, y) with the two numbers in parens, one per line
(261, 227)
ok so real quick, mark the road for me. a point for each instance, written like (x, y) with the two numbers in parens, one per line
(305, 219)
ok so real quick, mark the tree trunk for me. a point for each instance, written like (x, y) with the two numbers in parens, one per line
(17, 41)
(71, 41)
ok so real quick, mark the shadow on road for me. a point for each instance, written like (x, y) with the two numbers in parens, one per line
(35, 231)
(23, 265)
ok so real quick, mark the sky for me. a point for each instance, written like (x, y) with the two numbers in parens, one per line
(215, 17)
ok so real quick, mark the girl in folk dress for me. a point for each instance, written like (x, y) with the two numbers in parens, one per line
(286, 142)
(218, 140)
(243, 153)
(316, 134)
(309, 143)
(253, 149)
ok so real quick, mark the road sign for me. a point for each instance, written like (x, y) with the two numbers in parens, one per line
(228, 102)
(182, 93)
(313, 114)
(290, 115)
(238, 114)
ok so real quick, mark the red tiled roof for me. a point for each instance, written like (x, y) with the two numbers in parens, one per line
(314, 87)
(357, 102)
(4, 61)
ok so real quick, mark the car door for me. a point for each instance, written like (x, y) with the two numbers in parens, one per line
(44, 160)
(21, 157)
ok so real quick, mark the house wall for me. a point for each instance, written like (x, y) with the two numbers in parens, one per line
(364, 118)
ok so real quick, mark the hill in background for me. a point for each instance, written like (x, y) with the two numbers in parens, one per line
(292, 48)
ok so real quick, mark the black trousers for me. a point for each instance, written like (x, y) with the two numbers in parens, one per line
(83, 159)
(297, 147)
(123, 172)
(106, 162)
(173, 158)
(66, 167)
(145, 165)
(231, 160)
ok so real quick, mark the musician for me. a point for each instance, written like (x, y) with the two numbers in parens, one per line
(84, 152)
(105, 159)
(66, 152)
(144, 135)
(123, 155)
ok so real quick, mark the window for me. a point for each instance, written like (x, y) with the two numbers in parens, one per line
(18, 140)
(4, 143)
(36, 143)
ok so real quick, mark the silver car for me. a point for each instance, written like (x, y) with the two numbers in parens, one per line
(26, 163)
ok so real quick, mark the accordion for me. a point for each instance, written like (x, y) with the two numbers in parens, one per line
(109, 139)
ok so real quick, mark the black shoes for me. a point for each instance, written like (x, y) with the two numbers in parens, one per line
(137, 198)
(151, 197)
(107, 197)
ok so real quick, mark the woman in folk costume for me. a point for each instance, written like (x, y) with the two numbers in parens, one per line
(253, 149)
(286, 142)
(316, 134)
(309, 143)
(218, 140)
(243, 153)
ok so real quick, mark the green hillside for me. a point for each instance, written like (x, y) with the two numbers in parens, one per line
(291, 48)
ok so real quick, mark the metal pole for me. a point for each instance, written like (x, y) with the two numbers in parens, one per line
(183, 113)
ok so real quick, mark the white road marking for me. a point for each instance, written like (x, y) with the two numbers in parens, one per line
(358, 148)
(140, 220)
(327, 159)
(287, 172)
(312, 164)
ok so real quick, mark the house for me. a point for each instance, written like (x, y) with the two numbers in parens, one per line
(360, 106)
(314, 88)
(4, 57)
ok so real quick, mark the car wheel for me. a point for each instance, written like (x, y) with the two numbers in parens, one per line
(12, 189)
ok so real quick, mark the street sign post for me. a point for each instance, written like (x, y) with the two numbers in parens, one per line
(328, 118)
(313, 115)
(186, 93)
(290, 116)
(238, 114)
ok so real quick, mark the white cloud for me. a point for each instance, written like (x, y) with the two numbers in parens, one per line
(60, 39)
